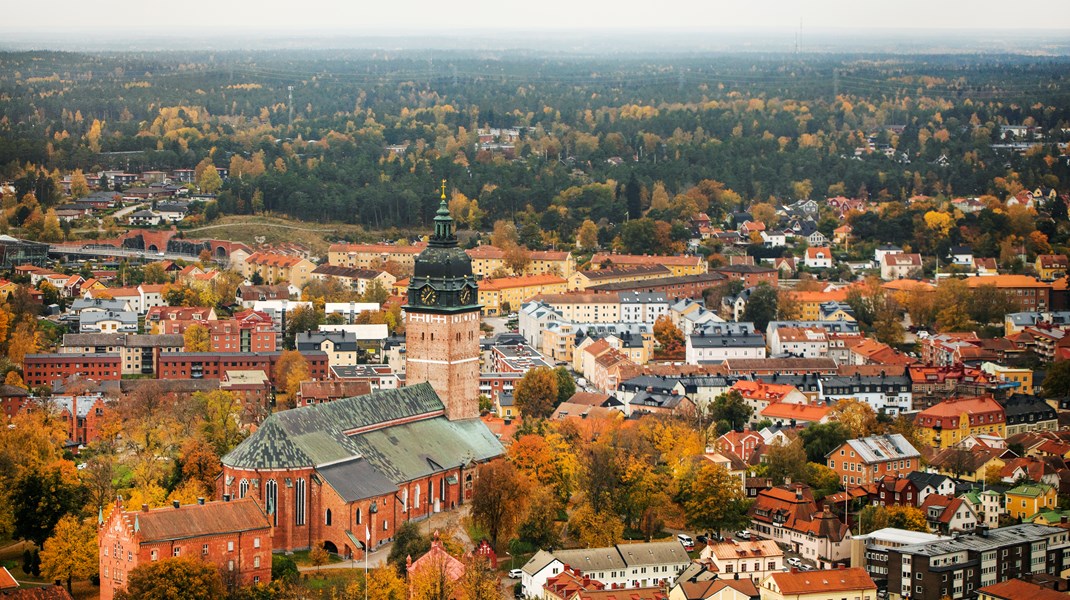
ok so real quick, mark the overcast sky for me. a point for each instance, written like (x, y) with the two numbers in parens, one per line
(192, 17)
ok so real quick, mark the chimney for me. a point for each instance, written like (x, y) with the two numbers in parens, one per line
(200, 501)
(145, 508)
(841, 566)
(226, 497)
(794, 570)
(798, 492)
(176, 503)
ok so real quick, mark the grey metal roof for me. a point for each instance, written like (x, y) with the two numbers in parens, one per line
(356, 479)
(653, 553)
(316, 435)
(81, 304)
(344, 341)
(879, 448)
(995, 538)
(538, 562)
(313, 435)
(124, 317)
(75, 340)
(729, 341)
(592, 559)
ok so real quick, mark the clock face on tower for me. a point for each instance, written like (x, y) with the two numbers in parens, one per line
(466, 295)
(428, 296)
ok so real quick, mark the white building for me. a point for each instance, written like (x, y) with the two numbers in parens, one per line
(623, 566)
(754, 558)
(717, 342)
(808, 342)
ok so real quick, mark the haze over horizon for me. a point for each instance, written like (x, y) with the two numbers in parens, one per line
(673, 24)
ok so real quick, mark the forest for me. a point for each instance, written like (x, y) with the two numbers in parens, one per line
(369, 134)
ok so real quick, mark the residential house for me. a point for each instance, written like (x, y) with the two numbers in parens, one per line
(713, 589)
(865, 460)
(624, 566)
(107, 322)
(679, 265)
(961, 256)
(716, 342)
(1028, 499)
(788, 515)
(1050, 267)
(947, 514)
(1026, 412)
(955, 419)
(278, 268)
(818, 258)
(739, 559)
(969, 464)
(851, 582)
(900, 266)
(1017, 589)
(340, 346)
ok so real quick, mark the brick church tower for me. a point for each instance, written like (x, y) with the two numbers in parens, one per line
(442, 321)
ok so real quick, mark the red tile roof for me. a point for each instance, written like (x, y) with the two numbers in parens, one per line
(194, 520)
(946, 414)
(643, 259)
(1016, 589)
(822, 582)
(6, 580)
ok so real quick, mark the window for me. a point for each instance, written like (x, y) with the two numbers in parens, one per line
(327, 517)
(256, 542)
(271, 494)
(416, 497)
(177, 551)
(204, 549)
(155, 555)
(230, 565)
(230, 546)
(256, 561)
(243, 488)
(299, 502)
(358, 516)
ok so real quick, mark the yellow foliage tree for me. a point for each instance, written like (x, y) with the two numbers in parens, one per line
(79, 185)
(196, 339)
(71, 552)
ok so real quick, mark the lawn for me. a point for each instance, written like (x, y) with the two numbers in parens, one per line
(11, 557)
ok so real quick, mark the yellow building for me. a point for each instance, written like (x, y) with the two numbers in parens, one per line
(852, 583)
(809, 304)
(278, 268)
(955, 419)
(639, 348)
(488, 260)
(1051, 266)
(678, 265)
(585, 307)
(1023, 377)
(1028, 499)
(582, 280)
(374, 256)
(506, 294)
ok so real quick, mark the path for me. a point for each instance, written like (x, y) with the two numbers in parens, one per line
(119, 214)
(429, 525)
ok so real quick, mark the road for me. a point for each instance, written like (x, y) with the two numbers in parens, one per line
(119, 214)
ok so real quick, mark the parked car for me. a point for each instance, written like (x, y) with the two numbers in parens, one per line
(743, 534)
(806, 567)
(702, 539)
(516, 574)
(794, 562)
(689, 544)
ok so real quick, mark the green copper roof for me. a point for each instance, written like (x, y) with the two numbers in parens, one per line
(313, 435)
(1031, 490)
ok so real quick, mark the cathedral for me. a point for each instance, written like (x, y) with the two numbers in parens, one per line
(352, 470)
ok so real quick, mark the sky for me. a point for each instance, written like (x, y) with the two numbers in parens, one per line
(194, 17)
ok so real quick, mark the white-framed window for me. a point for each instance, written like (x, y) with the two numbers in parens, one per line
(299, 502)
(243, 488)
(256, 542)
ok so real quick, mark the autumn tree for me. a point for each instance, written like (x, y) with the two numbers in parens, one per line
(587, 235)
(668, 335)
(821, 438)
(731, 409)
(713, 499)
(761, 306)
(432, 580)
(480, 581)
(910, 518)
(382, 582)
(1057, 380)
(41, 499)
(596, 529)
(173, 579)
(857, 416)
(24, 340)
(504, 234)
(209, 181)
(79, 185)
(498, 499)
(221, 413)
(536, 393)
(763, 212)
(71, 552)
(566, 385)
(197, 339)
(290, 370)
(517, 258)
(408, 541)
(786, 460)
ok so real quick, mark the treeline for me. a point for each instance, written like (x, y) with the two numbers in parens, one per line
(760, 124)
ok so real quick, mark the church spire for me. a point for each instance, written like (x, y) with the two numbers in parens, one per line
(443, 235)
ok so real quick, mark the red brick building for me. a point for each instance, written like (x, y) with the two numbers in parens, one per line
(750, 275)
(48, 369)
(229, 335)
(867, 460)
(235, 536)
(12, 400)
(339, 473)
(212, 365)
